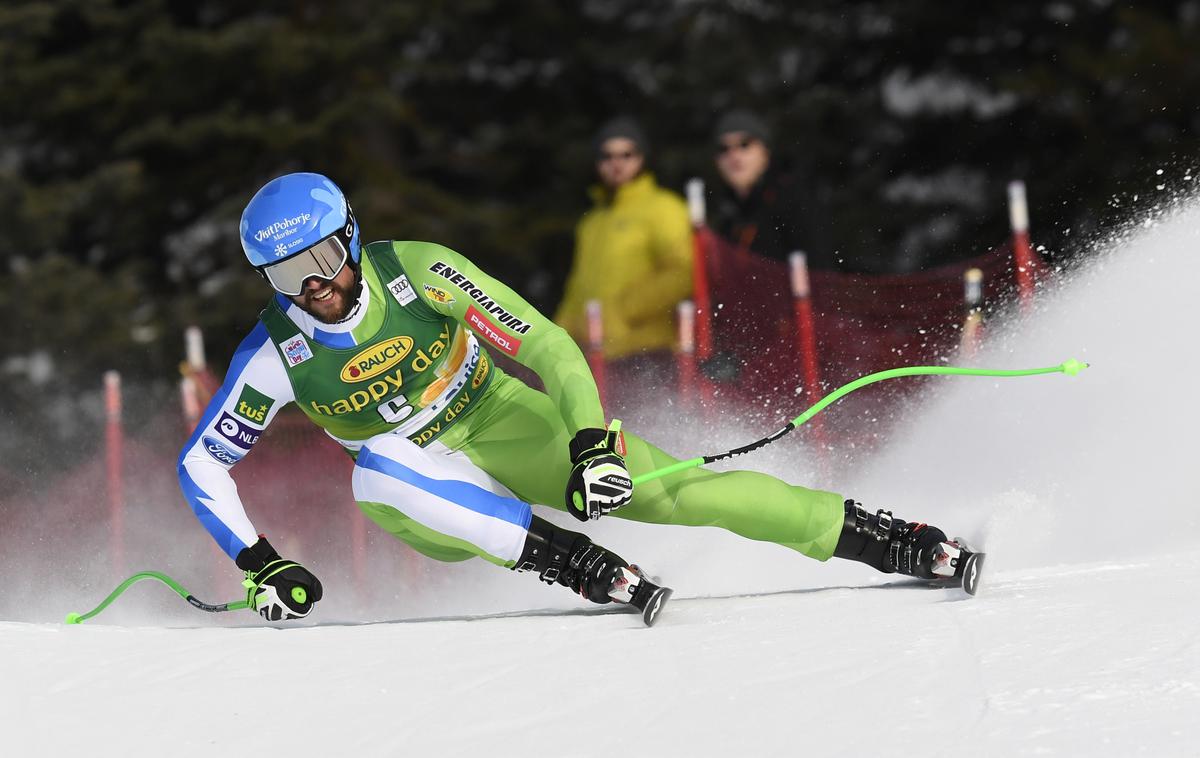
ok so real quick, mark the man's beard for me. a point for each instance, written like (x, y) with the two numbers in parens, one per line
(346, 297)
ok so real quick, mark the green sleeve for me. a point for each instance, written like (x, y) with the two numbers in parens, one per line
(455, 287)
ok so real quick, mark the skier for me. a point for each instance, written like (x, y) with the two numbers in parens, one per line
(380, 345)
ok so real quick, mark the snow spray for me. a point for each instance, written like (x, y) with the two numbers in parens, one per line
(1043, 474)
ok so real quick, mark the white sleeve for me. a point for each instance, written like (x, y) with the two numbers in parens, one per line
(255, 388)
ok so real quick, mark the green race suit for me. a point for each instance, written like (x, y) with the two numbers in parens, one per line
(450, 451)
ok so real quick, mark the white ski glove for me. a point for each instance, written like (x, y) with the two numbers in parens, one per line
(599, 482)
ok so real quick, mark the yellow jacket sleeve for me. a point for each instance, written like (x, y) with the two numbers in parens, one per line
(671, 247)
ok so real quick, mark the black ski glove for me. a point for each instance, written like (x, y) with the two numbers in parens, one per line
(276, 588)
(599, 482)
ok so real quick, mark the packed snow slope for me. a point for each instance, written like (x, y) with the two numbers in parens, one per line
(1084, 640)
(1086, 659)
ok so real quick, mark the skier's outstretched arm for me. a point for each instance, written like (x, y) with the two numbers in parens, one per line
(455, 287)
(255, 388)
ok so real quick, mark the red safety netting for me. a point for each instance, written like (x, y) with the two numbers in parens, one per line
(862, 324)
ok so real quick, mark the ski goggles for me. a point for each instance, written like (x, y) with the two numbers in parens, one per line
(324, 260)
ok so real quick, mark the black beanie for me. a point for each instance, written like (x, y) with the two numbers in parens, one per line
(741, 120)
(621, 126)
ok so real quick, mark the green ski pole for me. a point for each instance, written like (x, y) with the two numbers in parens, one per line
(79, 618)
(1070, 367)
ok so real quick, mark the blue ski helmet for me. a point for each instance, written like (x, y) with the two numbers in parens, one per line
(291, 215)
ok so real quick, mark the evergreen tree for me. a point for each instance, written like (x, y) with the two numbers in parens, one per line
(132, 132)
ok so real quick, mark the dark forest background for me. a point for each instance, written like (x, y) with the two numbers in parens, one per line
(132, 133)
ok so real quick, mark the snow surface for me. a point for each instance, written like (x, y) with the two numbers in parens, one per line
(1084, 640)
(1083, 659)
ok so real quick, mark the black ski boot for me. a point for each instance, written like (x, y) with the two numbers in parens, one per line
(894, 546)
(561, 556)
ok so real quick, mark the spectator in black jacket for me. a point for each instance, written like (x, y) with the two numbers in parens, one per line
(762, 205)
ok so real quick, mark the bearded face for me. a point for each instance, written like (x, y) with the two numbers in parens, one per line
(329, 300)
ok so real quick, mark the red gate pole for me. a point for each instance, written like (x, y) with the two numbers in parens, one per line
(702, 331)
(806, 333)
(700, 292)
(191, 404)
(193, 366)
(197, 366)
(685, 357)
(193, 342)
(972, 333)
(1018, 214)
(196, 389)
(114, 459)
(595, 351)
(806, 337)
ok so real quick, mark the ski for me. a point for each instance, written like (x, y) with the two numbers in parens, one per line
(632, 587)
(650, 598)
(972, 566)
(958, 561)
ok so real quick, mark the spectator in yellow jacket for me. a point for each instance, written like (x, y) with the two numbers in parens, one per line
(633, 250)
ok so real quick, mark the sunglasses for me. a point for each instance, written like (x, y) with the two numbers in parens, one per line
(738, 144)
(624, 155)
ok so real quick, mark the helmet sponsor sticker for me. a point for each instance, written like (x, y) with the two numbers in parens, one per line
(241, 435)
(438, 295)
(376, 359)
(221, 453)
(282, 249)
(506, 319)
(296, 350)
(253, 405)
(402, 290)
(491, 332)
(282, 228)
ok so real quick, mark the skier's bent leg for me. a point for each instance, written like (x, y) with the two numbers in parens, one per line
(522, 441)
(438, 502)
(443, 505)
(518, 435)
(754, 505)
